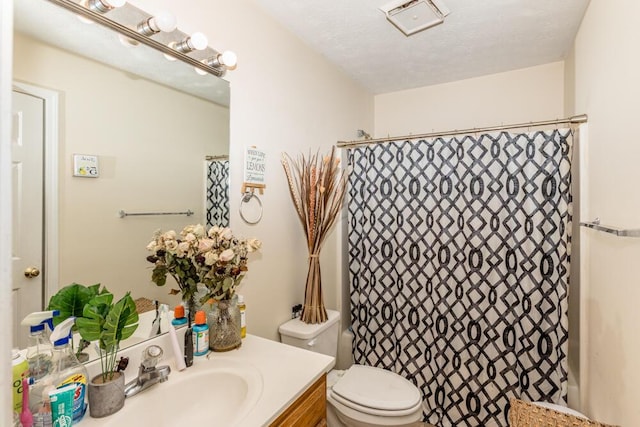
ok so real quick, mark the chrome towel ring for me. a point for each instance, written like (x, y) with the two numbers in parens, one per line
(244, 202)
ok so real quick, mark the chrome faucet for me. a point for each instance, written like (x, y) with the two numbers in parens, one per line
(148, 373)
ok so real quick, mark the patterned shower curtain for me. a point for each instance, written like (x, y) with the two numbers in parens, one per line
(459, 265)
(218, 193)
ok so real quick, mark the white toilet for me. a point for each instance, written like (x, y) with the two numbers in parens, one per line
(361, 396)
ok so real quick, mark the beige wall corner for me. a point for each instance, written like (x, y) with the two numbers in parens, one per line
(519, 96)
(606, 87)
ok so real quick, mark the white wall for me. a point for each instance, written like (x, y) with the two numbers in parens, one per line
(603, 76)
(519, 96)
(284, 98)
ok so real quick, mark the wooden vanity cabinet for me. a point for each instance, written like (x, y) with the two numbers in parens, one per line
(310, 409)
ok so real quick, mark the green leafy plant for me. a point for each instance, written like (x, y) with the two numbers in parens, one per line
(108, 323)
(71, 299)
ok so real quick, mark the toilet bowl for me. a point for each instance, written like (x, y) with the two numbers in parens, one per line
(361, 396)
(367, 396)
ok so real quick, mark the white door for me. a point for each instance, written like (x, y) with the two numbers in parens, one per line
(27, 152)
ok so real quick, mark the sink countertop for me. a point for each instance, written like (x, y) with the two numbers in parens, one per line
(286, 372)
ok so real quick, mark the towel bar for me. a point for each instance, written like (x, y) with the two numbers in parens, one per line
(595, 224)
(122, 213)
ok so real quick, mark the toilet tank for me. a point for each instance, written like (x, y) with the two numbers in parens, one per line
(319, 337)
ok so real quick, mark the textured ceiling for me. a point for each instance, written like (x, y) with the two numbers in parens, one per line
(479, 37)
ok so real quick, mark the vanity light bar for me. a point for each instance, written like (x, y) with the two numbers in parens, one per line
(79, 9)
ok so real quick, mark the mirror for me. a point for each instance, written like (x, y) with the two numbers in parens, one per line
(150, 122)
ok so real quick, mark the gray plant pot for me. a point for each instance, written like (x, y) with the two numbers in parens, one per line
(106, 398)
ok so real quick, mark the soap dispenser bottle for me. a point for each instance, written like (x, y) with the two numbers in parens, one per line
(39, 352)
(66, 368)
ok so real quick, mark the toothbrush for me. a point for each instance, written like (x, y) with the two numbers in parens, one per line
(155, 326)
(26, 417)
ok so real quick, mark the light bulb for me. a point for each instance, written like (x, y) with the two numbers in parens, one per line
(103, 6)
(198, 41)
(213, 63)
(228, 58)
(163, 21)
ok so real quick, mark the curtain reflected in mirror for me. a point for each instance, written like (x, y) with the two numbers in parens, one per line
(217, 191)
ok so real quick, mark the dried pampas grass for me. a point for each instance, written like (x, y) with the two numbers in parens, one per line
(317, 186)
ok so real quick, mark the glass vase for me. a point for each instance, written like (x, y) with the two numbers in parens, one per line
(224, 325)
(192, 303)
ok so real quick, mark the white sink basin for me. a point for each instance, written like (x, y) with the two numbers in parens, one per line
(220, 391)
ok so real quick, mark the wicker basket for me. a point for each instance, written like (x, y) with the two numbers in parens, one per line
(525, 414)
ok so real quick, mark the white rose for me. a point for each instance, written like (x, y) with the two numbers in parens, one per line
(226, 233)
(227, 255)
(190, 237)
(152, 246)
(183, 248)
(213, 231)
(253, 245)
(205, 245)
(171, 245)
(210, 258)
(198, 230)
(169, 235)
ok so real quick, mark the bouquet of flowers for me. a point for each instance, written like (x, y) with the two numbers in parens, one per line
(213, 258)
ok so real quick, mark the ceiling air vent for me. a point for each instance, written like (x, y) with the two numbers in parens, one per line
(415, 15)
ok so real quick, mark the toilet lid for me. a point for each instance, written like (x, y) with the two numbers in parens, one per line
(377, 388)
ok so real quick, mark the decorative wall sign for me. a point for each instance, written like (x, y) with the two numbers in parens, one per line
(254, 169)
(85, 166)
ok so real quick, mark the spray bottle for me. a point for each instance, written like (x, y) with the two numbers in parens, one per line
(66, 368)
(39, 351)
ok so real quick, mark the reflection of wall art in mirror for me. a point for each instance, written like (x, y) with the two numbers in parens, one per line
(171, 120)
(85, 166)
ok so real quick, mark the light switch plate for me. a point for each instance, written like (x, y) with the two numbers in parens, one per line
(85, 166)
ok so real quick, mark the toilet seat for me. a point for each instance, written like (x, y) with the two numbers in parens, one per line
(376, 391)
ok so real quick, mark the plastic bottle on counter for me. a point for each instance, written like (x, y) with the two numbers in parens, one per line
(39, 351)
(243, 319)
(20, 368)
(200, 335)
(179, 318)
(67, 369)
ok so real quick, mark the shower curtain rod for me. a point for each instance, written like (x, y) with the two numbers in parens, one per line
(220, 157)
(582, 118)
